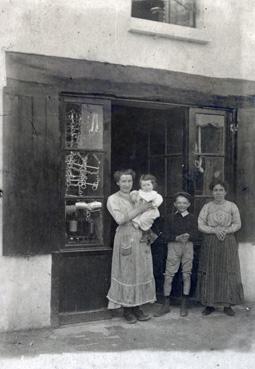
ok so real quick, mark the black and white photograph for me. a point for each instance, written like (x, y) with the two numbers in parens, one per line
(127, 184)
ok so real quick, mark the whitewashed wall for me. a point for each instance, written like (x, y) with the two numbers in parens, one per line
(98, 30)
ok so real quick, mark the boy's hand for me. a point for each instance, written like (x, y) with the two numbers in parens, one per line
(183, 238)
(186, 237)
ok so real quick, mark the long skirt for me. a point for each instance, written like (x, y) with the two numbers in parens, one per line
(132, 280)
(219, 278)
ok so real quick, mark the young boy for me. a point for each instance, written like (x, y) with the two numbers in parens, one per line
(180, 236)
(146, 193)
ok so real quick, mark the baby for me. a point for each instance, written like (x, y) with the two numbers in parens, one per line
(146, 193)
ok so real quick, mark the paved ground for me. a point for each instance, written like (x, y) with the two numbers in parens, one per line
(170, 342)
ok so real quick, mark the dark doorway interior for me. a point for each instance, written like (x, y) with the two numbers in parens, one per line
(153, 141)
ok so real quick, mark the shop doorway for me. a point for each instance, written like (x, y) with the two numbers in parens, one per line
(184, 148)
(153, 140)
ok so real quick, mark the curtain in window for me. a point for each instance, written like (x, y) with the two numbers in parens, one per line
(181, 12)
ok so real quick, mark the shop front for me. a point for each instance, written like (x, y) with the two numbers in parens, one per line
(69, 125)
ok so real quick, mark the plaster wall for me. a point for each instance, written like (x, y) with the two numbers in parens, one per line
(99, 30)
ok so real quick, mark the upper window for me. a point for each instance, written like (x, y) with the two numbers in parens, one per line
(180, 12)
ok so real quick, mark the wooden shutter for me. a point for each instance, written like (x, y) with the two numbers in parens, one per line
(245, 172)
(33, 210)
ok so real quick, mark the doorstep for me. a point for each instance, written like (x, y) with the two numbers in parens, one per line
(84, 316)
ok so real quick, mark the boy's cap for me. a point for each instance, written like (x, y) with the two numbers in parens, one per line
(183, 194)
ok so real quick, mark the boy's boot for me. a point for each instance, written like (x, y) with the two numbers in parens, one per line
(165, 307)
(184, 306)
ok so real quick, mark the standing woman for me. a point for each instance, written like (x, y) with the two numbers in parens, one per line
(219, 278)
(132, 281)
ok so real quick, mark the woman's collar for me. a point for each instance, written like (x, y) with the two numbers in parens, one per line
(124, 195)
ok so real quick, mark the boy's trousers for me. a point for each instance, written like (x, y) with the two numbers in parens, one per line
(178, 253)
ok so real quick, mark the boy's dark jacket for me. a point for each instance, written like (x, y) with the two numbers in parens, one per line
(178, 225)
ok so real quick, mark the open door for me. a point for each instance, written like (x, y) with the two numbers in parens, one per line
(211, 152)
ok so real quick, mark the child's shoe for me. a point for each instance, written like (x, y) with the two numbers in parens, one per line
(184, 306)
(164, 309)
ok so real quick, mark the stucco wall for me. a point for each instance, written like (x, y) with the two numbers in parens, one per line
(98, 30)
(247, 262)
(25, 291)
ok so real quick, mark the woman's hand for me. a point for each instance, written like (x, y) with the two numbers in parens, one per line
(221, 234)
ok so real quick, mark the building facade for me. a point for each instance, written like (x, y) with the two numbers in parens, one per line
(91, 86)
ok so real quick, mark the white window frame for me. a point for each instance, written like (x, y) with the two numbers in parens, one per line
(172, 31)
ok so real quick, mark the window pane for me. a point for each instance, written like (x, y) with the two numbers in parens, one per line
(212, 140)
(210, 133)
(174, 137)
(157, 168)
(157, 138)
(204, 172)
(85, 224)
(148, 9)
(84, 126)
(174, 175)
(84, 173)
(181, 12)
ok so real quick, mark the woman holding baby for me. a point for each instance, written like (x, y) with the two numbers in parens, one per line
(132, 281)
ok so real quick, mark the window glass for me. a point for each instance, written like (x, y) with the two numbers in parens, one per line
(180, 12)
(174, 137)
(84, 221)
(157, 138)
(205, 169)
(157, 168)
(84, 126)
(84, 173)
(174, 174)
(84, 160)
(210, 133)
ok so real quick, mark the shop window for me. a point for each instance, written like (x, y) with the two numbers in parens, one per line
(84, 168)
(179, 12)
